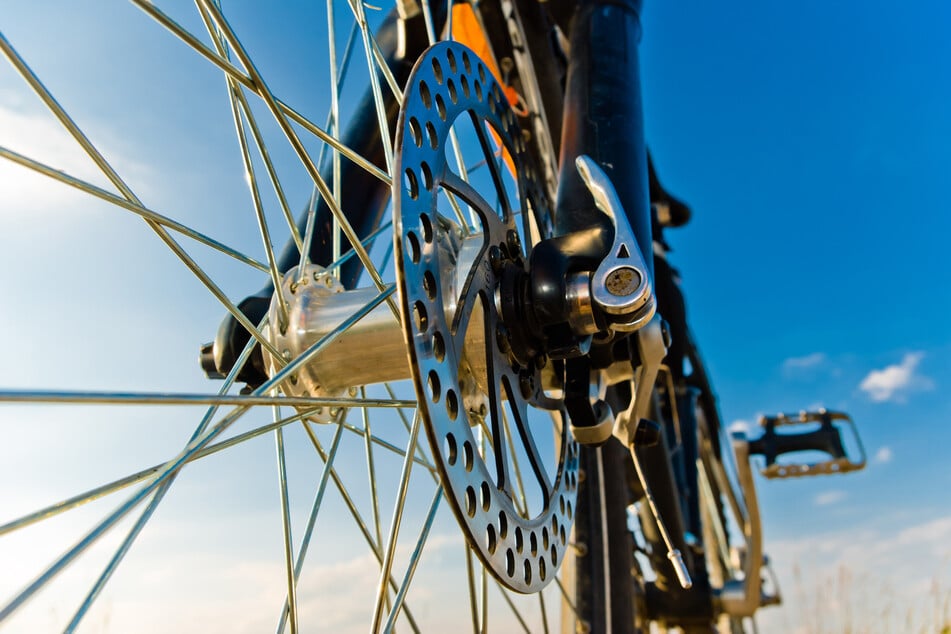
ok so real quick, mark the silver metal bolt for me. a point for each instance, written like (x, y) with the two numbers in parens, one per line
(623, 281)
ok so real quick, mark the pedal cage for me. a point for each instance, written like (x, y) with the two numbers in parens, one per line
(827, 438)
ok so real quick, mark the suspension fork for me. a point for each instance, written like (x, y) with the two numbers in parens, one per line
(603, 118)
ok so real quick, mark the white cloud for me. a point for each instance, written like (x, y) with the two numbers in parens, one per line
(883, 455)
(37, 135)
(804, 363)
(893, 382)
(740, 426)
(830, 497)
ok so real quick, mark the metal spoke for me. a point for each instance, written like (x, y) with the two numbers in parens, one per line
(235, 92)
(146, 515)
(172, 466)
(335, 114)
(379, 104)
(518, 471)
(518, 615)
(473, 597)
(564, 594)
(264, 92)
(541, 602)
(249, 83)
(520, 413)
(371, 471)
(388, 556)
(333, 117)
(140, 476)
(367, 243)
(286, 525)
(311, 522)
(252, 182)
(240, 112)
(118, 201)
(357, 518)
(170, 398)
(389, 446)
(413, 562)
(27, 73)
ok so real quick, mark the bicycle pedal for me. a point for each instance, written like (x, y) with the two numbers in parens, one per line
(827, 438)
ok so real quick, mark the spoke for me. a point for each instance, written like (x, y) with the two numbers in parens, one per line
(371, 470)
(541, 602)
(262, 90)
(520, 412)
(485, 600)
(380, 105)
(407, 425)
(170, 468)
(332, 120)
(428, 18)
(518, 471)
(311, 521)
(518, 615)
(335, 130)
(357, 518)
(385, 70)
(146, 515)
(473, 596)
(252, 181)
(148, 398)
(235, 93)
(27, 73)
(239, 76)
(240, 112)
(286, 525)
(564, 594)
(140, 476)
(391, 447)
(387, 565)
(118, 201)
(367, 243)
(413, 561)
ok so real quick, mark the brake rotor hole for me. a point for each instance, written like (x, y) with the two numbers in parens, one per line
(452, 404)
(425, 95)
(434, 391)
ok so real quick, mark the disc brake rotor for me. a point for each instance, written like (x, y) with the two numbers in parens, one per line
(484, 399)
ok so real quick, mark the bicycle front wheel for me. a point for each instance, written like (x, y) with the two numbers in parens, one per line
(153, 159)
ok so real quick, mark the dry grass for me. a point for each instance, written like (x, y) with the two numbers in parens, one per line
(846, 601)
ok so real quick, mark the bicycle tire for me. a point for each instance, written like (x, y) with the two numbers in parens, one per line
(16, 612)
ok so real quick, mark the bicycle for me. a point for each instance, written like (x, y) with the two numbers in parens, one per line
(525, 308)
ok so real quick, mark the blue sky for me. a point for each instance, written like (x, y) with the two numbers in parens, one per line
(811, 140)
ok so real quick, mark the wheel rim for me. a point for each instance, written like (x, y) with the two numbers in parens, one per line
(367, 436)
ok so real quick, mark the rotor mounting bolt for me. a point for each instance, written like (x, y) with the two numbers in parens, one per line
(495, 258)
(526, 384)
(623, 281)
(502, 339)
(514, 243)
(541, 360)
